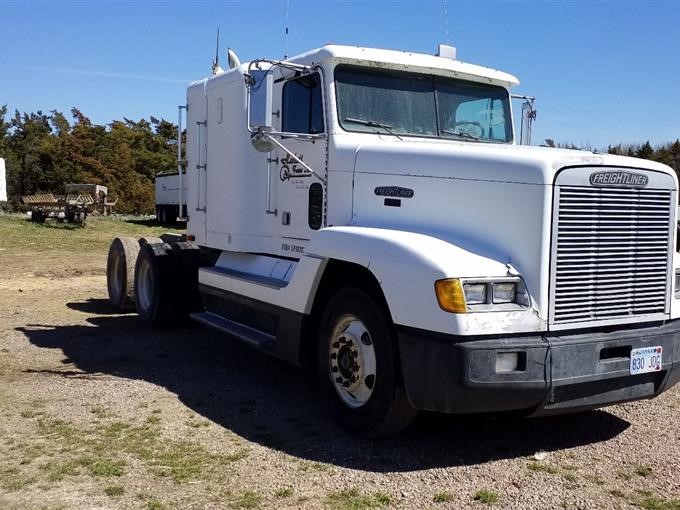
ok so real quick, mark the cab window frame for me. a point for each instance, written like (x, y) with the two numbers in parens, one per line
(315, 106)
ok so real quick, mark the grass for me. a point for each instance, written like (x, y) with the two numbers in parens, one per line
(102, 467)
(106, 468)
(643, 471)
(154, 504)
(442, 497)
(237, 455)
(352, 499)
(569, 476)
(284, 492)
(177, 459)
(23, 244)
(30, 413)
(19, 233)
(313, 466)
(654, 503)
(11, 479)
(197, 424)
(114, 490)
(57, 471)
(248, 499)
(485, 496)
(539, 467)
(382, 498)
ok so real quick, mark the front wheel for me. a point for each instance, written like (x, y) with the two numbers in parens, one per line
(359, 367)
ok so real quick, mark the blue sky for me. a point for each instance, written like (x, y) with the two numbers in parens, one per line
(603, 71)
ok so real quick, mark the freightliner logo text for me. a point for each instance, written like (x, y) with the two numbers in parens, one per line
(625, 179)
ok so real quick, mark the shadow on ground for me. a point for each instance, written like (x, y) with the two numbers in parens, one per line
(153, 222)
(277, 405)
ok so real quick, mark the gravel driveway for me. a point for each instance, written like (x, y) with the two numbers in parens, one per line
(96, 412)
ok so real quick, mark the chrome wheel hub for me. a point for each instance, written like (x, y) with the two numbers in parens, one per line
(352, 361)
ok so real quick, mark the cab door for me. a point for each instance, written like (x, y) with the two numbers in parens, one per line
(299, 195)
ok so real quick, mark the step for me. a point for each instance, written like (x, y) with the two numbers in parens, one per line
(249, 335)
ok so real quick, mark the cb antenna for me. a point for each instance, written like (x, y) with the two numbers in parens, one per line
(285, 56)
(446, 21)
(216, 63)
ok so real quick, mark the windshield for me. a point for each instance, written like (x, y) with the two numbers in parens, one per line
(399, 103)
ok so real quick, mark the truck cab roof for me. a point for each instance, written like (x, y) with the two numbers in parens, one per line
(390, 59)
(405, 61)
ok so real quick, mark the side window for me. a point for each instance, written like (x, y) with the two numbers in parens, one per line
(302, 105)
(483, 118)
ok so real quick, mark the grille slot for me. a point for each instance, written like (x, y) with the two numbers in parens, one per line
(610, 253)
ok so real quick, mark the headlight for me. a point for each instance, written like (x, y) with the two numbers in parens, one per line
(475, 293)
(504, 292)
(484, 294)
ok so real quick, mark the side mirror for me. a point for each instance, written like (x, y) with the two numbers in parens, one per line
(260, 91)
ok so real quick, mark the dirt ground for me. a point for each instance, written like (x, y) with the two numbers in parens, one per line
(98, 412)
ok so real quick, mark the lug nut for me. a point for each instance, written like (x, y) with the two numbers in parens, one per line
(365, 338)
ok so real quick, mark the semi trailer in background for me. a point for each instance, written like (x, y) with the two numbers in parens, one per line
(171, 205)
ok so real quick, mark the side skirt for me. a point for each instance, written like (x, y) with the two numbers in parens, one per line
(272, 329)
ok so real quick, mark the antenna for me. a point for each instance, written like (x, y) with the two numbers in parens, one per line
(446, 21)
(216, 63)
(285, 56)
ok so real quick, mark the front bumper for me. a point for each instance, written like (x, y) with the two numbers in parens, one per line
(559, 372)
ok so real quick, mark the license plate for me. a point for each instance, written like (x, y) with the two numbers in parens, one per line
(645, 359)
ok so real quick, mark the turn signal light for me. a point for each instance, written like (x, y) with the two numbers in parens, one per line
(450, 295)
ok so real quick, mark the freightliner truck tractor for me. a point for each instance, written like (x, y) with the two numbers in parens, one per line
(367, 213)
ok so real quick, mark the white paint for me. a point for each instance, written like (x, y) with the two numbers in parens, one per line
(167, 190)
(3, 184)
(300, 277)
(477, 208)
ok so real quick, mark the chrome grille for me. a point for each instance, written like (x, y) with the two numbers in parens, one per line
(611, 253)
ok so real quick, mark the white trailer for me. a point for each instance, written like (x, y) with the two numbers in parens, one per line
(3, 183)
(168, 198)
(368, 212)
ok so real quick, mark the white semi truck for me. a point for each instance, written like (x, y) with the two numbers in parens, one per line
(367, 212)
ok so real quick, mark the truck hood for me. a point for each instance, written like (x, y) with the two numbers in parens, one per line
(483, 161)
(494, 201)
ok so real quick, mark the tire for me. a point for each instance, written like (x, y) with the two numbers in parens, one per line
(155, 293)
(359, 367)
(149, 240)
(120, 273)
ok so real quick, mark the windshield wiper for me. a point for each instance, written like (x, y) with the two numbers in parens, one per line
(372, 123)
(461, 134)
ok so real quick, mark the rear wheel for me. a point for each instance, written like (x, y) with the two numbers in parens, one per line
(120, 273)
(155, 295)
(359, 367)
